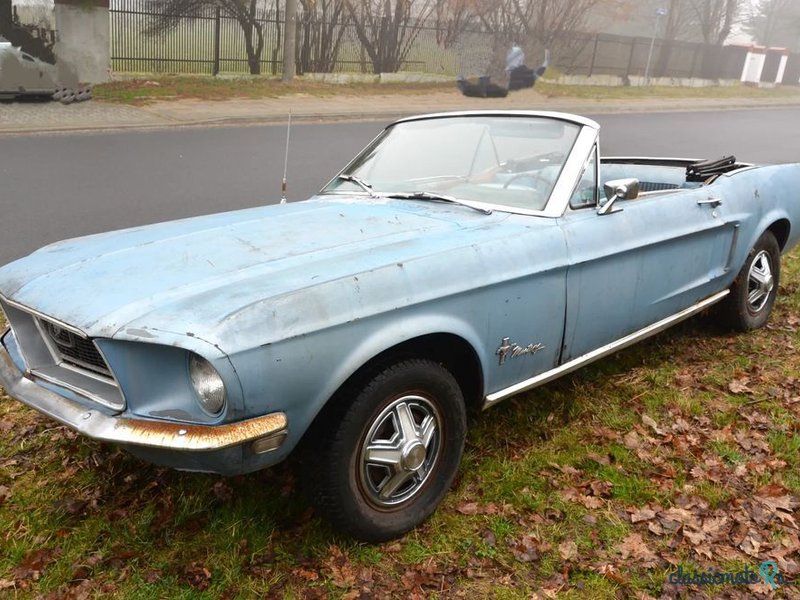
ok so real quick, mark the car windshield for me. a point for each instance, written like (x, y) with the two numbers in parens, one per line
(510, 161)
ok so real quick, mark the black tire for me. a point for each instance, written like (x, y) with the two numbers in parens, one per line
(348, 483)
(755, 288)
(68, 97)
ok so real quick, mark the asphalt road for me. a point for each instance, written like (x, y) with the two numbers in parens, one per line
(58, 186)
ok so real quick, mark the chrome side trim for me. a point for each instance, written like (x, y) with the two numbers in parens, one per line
(133, 431)
(659, 160)
(621, 343)
(80, 391)
(734, 243)
(571, 172)
(651, 159)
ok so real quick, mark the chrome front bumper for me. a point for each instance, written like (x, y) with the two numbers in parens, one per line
(267, 431)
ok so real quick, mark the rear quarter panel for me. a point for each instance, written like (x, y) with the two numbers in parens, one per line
(756, 198)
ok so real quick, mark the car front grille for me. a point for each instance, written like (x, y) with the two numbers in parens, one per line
(74, 350)
(59, 354)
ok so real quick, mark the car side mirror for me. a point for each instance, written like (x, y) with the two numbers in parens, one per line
(618, 189)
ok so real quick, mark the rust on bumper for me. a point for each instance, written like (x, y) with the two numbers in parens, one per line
(138, 432)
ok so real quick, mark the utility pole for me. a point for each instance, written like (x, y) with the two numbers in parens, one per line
(289, 39)
(660, 12)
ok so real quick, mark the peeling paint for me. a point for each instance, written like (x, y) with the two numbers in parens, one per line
(142, 333)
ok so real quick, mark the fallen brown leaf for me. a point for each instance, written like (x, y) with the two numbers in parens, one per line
(489, 538)
(603, 459)
(750, 545)
(644, 514)
(525, 549)
(468, 508)
(651, 423)
(695, 537)
(739, 386)
(306, 574)
(610, 572)
(196, 576)
(635, 547)
(568, 550)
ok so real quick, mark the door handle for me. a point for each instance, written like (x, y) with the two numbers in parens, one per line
(711, 200)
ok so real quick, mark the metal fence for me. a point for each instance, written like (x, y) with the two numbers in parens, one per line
(627, 56)
(203, 41)
(210, 41)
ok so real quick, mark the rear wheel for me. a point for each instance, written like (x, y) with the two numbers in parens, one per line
(386, 463)
(755, 288)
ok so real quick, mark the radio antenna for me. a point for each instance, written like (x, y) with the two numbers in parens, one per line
(284, 184)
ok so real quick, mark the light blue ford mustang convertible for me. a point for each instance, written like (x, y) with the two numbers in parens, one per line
(458, 260)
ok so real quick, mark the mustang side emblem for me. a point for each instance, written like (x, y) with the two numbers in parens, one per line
(514, 350)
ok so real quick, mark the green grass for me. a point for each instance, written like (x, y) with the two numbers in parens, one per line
(569, 462)
(140, 91)
(178, 87)
(593, 92)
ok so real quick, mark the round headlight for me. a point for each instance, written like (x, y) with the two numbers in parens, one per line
(208, 385)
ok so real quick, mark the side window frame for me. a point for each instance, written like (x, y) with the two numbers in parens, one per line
(594, 157)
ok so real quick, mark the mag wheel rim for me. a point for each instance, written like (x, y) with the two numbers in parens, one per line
(760, 282)
(400, 451)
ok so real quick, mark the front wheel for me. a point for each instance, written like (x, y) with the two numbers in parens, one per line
(755, 288)
(386, 463)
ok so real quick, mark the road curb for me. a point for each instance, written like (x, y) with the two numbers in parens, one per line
(593, 108)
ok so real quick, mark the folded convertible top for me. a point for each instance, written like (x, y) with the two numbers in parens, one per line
(702, 170)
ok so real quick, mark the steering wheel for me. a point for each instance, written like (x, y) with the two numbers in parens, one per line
(537, 161)
(527, 175)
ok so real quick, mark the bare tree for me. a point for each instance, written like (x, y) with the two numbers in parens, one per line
(452, 17)
(678, 23)
(322, 27)
(678, 19)
(549, 21)
(168, 13)
(535, 25)
(387, 29)
(775, 22)
(716, 18)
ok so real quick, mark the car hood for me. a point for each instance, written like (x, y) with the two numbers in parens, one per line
(191, 276)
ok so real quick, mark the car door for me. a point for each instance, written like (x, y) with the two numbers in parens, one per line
(649, 259)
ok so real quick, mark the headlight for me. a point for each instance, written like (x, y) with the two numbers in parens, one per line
(208, 385)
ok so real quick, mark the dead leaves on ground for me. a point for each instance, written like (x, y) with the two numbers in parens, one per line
(718, 494)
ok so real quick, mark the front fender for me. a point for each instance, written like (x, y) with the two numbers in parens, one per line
(299, 375)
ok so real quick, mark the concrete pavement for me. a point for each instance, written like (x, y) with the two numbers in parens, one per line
(27, 117)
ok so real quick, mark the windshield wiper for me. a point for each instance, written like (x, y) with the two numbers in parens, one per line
(359, 182)
(437, 198)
